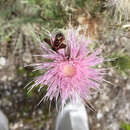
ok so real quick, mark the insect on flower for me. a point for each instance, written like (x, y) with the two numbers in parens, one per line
(72, 70)
(57, 43)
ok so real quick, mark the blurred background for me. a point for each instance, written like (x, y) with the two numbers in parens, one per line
(22, 26)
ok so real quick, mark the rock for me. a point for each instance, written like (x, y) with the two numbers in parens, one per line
(99, 115)
(27, 57)
(4, 78)
(2, 62)
(3, 122)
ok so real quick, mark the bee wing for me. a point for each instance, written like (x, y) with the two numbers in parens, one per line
(62, 46)
(48, 41)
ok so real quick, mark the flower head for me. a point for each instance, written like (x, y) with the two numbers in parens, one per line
(72, 70)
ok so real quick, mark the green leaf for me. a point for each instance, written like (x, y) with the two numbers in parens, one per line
(80, 3)
(125, 126)
(122, 62)
(21, 71)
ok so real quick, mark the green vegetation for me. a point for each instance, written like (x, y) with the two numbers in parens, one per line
(121, 62)
(125, 126)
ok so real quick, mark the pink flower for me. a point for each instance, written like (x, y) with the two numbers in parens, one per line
(71, 71)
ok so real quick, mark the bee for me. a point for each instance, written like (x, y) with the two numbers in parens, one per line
(57, 43)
